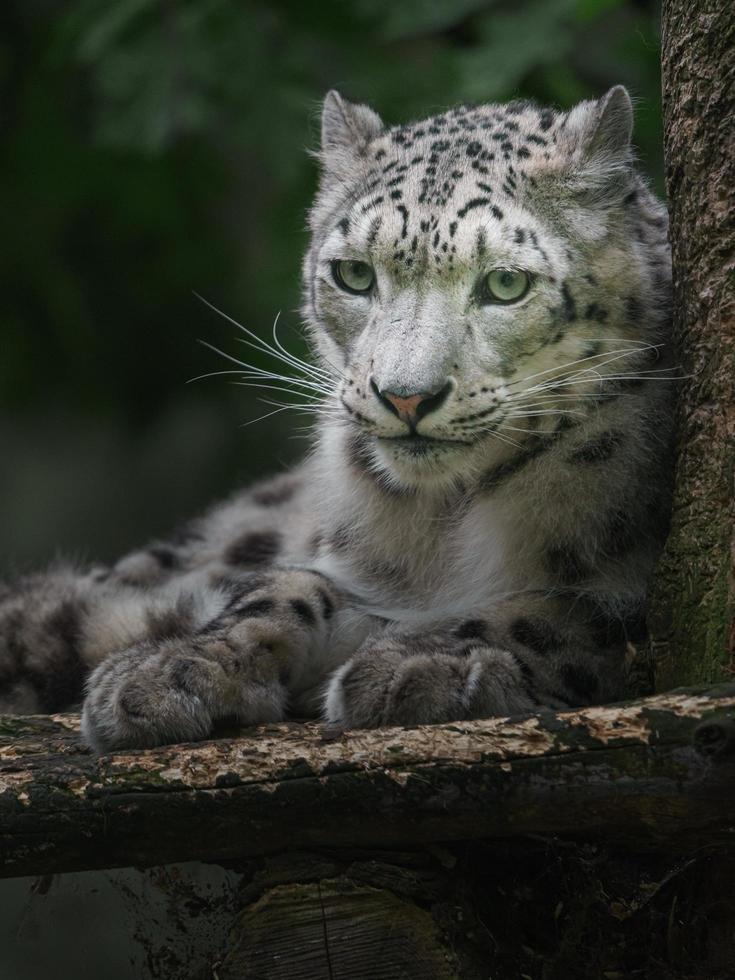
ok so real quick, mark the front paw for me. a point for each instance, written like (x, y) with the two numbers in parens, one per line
(241, 666)
(176, 692)
(394, 686)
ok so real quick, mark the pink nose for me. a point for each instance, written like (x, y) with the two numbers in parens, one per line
(406, 408)
(411, 408)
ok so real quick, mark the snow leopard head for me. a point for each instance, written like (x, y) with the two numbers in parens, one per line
(473, 276)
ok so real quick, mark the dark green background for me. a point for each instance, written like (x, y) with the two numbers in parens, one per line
(151, 149)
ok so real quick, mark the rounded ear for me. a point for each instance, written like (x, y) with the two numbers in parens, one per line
(347, 127)
(595, 140)
(601, 129)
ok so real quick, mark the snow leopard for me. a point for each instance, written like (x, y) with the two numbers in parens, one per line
(487, 296)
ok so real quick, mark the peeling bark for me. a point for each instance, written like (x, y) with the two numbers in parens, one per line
(655, 771)
(692, 615)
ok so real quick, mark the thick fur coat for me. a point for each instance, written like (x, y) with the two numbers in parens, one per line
(488, 295)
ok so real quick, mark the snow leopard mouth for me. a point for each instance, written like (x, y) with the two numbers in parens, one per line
(417, 445)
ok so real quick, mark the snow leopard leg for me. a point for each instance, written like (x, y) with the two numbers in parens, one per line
(267, 650)
(42, 654)
(526, 653)
(56, 626)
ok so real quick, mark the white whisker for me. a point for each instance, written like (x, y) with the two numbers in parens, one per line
(502, 438)
(298, 365)
(261, 418)
(211, 374)
(578, 380)
(311, 387)
(284, 379)
(264, 347)
(547, 411)
(591, 357)
(285, 391)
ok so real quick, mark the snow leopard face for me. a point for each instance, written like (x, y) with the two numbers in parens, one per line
(472, 275)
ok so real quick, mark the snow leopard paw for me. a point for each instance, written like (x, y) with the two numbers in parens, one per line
(242, 666)
(387, 683)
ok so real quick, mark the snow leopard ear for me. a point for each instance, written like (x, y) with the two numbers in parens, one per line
(614, 125)
(347, 129)
(602, 160)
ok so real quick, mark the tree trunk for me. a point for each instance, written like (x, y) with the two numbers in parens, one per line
(692, 614)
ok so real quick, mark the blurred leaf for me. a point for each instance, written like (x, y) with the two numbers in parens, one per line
(164, 70)
(413, 17)
(588, 10)
(96, 26)
(513, 41)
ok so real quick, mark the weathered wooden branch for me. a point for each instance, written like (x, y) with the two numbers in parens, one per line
(653, 772)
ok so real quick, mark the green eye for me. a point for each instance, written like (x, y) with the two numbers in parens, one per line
(505, 285)
(353, 276)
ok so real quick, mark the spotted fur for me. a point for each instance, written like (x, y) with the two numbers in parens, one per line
(484, 555)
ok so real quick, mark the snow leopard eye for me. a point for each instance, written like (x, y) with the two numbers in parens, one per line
(353, 276)
(505, 285)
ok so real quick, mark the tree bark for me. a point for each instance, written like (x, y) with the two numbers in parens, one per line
(692, 615)
(653, 772)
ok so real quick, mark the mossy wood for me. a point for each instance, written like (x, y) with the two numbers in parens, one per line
(692, 615)
(654, 771)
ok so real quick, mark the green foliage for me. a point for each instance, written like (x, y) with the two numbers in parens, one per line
(156, 147)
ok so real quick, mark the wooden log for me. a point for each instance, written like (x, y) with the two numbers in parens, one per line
(336, 928)
(652, 772)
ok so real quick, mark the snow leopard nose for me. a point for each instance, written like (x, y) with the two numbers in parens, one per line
(412, 407)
